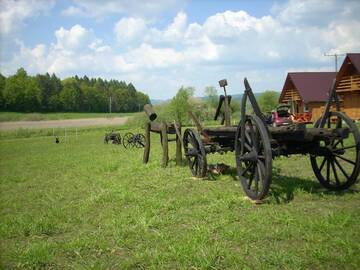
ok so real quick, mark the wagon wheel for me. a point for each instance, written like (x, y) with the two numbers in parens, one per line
(254, 162)
(195, 153)
(128, 140)
(140, 140)
(339, 167)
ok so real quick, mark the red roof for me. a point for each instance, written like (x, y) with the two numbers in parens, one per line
(312, 86)
(355, 60)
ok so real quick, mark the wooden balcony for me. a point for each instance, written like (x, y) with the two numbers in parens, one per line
(291, 95)
(349, 83)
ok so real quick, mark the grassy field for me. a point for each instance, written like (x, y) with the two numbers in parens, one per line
(86, 205)
(15, 116)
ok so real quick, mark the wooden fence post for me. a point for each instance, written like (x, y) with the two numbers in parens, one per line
(178, 144)
(165, 146)
(147, 142)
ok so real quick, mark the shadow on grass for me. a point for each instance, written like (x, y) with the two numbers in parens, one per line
(283, 187)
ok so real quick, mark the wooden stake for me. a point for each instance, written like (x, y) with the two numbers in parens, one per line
(147, 143)
(178, 144)
(165, 146)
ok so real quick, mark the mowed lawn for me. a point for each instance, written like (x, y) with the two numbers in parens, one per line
(86, 205)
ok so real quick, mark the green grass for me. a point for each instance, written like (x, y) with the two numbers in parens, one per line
(15, 116)
(86, 205)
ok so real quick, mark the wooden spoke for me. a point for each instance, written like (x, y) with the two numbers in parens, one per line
(327, 170)
(345, 159)
(341, 168)
(322, 164)
(335, 174)
(344, 148)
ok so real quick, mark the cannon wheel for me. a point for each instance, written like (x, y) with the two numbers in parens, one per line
(128, 140)
(254, 163)
(140, 140)
(195, 153)
(340, 167)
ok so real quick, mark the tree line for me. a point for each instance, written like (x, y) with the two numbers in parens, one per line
(48, 93)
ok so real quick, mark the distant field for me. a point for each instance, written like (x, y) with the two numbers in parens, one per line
(15, 116)
(86, 205)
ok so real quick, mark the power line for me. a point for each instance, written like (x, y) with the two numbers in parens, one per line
(335, 55)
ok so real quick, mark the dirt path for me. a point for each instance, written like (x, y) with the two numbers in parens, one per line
(87, 122)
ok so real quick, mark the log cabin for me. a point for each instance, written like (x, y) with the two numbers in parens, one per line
(348, 85)
(307, 93)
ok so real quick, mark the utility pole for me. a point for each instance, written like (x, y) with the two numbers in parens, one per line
(335, 55)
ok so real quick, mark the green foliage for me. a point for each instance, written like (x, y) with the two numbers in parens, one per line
(180, 104)
(2, 86)
(21, 92)
(45, 93)
(268, 101)
(211, 96)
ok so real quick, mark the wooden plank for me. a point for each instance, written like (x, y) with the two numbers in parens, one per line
(165, 145)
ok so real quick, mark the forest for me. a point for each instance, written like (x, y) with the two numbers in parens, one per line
(48, 93)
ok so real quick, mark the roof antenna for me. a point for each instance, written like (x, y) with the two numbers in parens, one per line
(335, 55)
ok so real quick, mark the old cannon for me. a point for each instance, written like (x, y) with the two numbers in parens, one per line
(114, 137)
(164, 130)
(333, 145)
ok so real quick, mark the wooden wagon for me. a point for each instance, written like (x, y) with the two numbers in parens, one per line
(333, 144)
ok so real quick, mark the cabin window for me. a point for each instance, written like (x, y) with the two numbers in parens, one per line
(306, 108)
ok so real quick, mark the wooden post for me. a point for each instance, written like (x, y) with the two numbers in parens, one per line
(147, 142)
(227, 110)
(165, 145)
(178, 144)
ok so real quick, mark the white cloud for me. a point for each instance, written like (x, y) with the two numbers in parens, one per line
(74, 39)
(146, 56)
(98, 9)
(14, 13)
(129, 29)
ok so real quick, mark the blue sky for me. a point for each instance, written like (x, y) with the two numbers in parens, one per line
(162, 45)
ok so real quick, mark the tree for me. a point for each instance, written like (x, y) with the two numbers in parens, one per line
(180, 105)
(268, 101)
(21, 92)
(70, 96)
(211, 96)
(2, 86)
